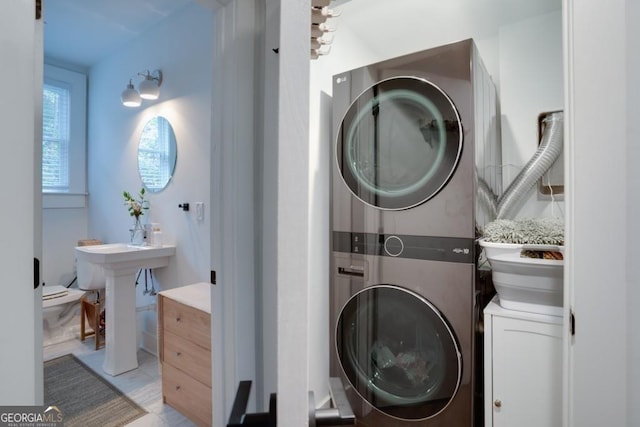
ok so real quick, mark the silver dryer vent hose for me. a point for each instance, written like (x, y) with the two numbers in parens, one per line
(549, 150)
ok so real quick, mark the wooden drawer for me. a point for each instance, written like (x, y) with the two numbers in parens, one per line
(187, 357)
(186, 322)
(190, 397)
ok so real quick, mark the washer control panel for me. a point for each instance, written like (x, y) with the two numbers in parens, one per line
(450, 249)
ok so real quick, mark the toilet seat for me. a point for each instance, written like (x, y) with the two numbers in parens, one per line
(58, 295)
(53, 292)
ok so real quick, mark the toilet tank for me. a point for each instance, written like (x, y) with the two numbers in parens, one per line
(90, 276)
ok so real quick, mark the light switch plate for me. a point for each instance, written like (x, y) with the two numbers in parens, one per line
(199, 211)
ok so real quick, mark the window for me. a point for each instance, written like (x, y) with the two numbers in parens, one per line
(55, 138)
(63, 138)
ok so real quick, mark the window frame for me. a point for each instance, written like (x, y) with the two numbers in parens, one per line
(75, 196)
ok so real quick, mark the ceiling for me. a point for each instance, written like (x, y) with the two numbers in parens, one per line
(82, 32)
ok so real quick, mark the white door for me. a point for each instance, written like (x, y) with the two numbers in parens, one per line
(20, 305)
(601, 358)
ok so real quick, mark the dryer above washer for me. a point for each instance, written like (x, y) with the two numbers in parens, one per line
(416, 139)
(399, 143)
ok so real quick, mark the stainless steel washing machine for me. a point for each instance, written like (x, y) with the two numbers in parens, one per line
(417, 162)
(403, 339)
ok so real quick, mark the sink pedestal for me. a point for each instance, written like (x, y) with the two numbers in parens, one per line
(121, 264)
(121, 347)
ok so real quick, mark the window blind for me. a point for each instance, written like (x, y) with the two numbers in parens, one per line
(55, 138)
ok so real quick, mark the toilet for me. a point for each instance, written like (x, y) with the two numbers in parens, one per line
(61, 306)
(60, 311)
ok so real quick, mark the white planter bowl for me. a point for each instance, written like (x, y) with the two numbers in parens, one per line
(526, 284)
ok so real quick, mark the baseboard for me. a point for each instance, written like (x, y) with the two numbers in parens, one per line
(149, 343)
(147, 328)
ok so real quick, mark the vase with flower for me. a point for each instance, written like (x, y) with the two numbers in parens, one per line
(136, 206)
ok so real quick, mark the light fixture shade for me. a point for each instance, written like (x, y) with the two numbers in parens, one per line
(130, 97)
(149, 88)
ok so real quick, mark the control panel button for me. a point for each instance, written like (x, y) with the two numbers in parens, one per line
(393, 246)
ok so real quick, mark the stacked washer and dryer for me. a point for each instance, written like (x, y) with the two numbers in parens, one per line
(417, 150)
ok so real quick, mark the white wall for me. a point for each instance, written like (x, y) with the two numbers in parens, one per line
(368, 32)
(181, 47)
(61, 230)
(531, 83)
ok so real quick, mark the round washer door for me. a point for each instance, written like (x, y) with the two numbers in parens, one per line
(399, 143)
(398, 352)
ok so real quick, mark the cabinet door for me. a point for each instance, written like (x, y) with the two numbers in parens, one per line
(527, 373)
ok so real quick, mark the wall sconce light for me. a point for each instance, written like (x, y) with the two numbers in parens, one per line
(149, 88)
(130, 97)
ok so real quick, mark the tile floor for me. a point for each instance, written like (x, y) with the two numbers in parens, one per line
(142, 385)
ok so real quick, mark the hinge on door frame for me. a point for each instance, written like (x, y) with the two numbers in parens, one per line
(213, 277)
(38, 9)
(572, 322)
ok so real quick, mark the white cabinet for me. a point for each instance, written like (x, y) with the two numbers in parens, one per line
(523, 368)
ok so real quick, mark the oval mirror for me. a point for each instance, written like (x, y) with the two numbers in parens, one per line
(157, 154)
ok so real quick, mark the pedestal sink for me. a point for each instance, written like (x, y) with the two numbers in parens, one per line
(121, 262)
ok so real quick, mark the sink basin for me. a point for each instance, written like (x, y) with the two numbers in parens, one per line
(121, 262)
(122, 252)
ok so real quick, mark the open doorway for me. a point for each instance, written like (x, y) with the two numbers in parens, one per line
(110, 43)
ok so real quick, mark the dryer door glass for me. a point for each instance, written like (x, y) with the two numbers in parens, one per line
(399, 143)
(398, 352)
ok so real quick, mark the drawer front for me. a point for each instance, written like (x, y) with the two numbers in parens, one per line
(188, 396)
(186, 322)
(188, 357)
